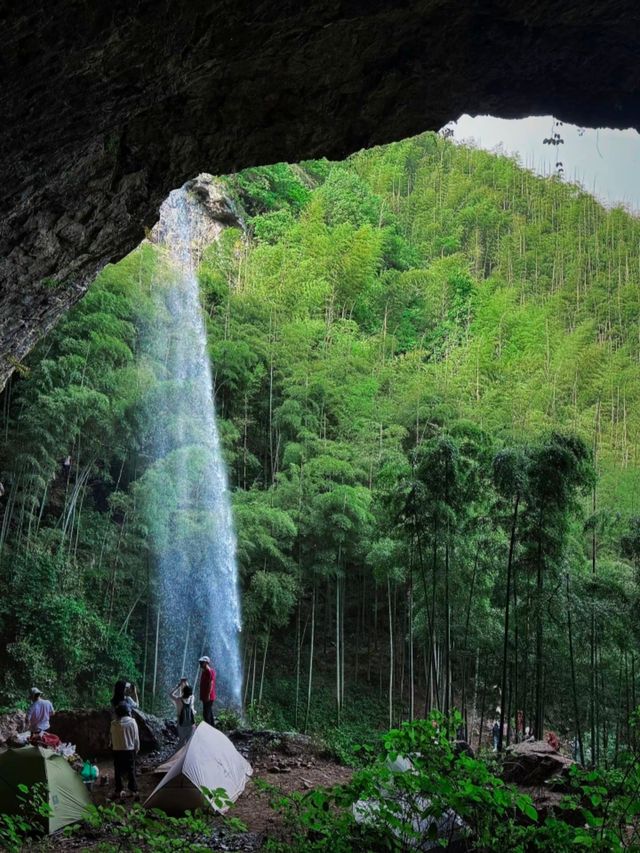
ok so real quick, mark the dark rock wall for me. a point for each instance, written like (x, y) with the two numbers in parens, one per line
(90, 731)
(106, 106)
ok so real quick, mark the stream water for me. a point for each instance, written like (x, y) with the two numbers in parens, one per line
(189, 517)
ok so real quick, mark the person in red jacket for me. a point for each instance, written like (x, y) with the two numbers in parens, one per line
(207, 688)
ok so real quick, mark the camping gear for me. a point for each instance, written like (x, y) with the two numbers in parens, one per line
(45, 739)
(60, 784)
(66, 750)
(19, 739)
(89, 774)
(207, 760)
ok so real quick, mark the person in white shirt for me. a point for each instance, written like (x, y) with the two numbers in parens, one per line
(182, 698)
(125, 743)
(39, 713)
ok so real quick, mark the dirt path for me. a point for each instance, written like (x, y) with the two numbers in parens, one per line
(288, 775)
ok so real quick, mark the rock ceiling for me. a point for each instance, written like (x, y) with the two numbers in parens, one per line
(106, 106)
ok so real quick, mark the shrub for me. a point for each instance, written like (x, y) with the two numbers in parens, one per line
(20, 831)
(444, 793)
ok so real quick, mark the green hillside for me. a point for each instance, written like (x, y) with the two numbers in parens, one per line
(420, 357)
(471, 287)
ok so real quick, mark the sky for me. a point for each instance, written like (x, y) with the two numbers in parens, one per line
(606, 162)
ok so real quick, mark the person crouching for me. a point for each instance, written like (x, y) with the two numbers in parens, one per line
(125, 743)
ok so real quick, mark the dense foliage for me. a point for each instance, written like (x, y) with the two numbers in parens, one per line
(426, 368)
(441, 797)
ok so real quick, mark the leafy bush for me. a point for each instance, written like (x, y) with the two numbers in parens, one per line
(20, 831)
(152, 830)
(263, 716)
(272, 226)
(115, 827)
(444, 793)
(387, 806)
(269, 188)
(140, 829)
(228, 719)
(362, 721)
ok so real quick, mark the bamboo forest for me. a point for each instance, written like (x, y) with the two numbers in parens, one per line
(425, 366)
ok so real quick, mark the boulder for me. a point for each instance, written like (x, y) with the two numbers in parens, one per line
(10, 725)
(253, 744)
(155, 733)
(534, 763)
(89, 730)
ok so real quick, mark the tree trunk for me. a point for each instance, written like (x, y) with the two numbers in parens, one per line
(466, 640)
(391, 659)
(245, 448)
(272, 467)
(594, 672)
(505, 644)
(447, 631)
(518, 706)
(146, 650)
(155, 662)
(186, 645)
(253, 676)
(264, 663)
(482, 707)
(433, 677)
(298, 652)
(474, 706)
(313, 634)
(574, 690)
(618, 710)
(342, 599)
(338, 656)
(539, 717)
(411, 674)
(247, 679)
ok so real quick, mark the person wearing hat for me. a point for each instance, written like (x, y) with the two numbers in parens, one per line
(207, 688)
(39, 713)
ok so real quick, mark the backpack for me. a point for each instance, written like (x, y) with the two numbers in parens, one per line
(186, 717)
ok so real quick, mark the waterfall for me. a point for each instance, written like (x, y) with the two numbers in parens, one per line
(185, 490)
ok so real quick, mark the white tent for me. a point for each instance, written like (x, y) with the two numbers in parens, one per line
(207, 760)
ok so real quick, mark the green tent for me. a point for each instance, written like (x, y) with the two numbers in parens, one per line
(33, 765)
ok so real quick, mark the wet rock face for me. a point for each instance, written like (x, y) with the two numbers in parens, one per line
(106, 106)
(210, 212)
